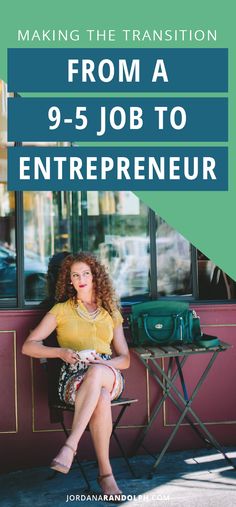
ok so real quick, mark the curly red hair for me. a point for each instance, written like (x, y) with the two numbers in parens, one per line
(103, 289)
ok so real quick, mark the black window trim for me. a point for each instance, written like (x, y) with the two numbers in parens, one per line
(19, 303)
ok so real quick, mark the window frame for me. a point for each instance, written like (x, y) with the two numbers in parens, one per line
(20, 303)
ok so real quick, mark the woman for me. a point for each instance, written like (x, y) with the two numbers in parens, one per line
(88, 319)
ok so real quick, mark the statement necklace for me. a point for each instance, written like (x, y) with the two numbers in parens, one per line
(86, 314)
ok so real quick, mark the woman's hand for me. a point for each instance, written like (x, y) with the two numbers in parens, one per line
(68, 356)
(96, 359)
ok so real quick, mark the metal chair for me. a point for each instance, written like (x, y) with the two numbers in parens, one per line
(57, 410)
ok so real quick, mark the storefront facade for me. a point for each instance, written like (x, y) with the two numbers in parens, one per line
(147, 259)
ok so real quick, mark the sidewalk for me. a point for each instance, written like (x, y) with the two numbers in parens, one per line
(195, 478)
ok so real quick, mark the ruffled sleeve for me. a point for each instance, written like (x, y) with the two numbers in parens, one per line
(56, 310)
(117, 319)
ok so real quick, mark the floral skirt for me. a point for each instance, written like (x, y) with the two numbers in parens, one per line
(72, 375)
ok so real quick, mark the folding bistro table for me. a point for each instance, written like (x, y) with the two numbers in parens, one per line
(176, 357)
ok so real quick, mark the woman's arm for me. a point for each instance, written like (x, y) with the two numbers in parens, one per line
(34, 347)
(122, 359)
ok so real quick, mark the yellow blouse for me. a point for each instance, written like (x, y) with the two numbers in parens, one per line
(78, 333)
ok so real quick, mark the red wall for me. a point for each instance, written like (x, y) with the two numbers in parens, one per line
(27, 438)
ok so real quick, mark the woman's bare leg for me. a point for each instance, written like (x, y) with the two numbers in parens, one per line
(97, 377)
(100, 426)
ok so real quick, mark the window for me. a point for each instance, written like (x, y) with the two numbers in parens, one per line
(8, 283)
(145, 256)
(7, 240)
(118, 234)
(173, 261)
(212, 281)
(47, 224)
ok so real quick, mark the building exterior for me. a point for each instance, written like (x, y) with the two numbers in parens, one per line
(147, 259)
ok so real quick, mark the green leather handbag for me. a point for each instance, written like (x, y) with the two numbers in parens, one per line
(163, 323)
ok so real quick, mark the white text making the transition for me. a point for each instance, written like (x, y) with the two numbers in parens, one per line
(112, 35)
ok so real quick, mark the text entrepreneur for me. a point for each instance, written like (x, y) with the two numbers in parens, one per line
(117, 168)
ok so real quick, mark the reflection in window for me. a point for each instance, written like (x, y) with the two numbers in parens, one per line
(213, 282)
(173, 261)
(118, 235)
(7, 211)
(7, 239)
(46, 231)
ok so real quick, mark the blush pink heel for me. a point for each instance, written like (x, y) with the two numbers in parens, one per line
(112, 495)
(59, 467)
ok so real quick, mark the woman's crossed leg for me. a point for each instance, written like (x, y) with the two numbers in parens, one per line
(97, 378)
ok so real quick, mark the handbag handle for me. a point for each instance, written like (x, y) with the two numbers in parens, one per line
(177, 322)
